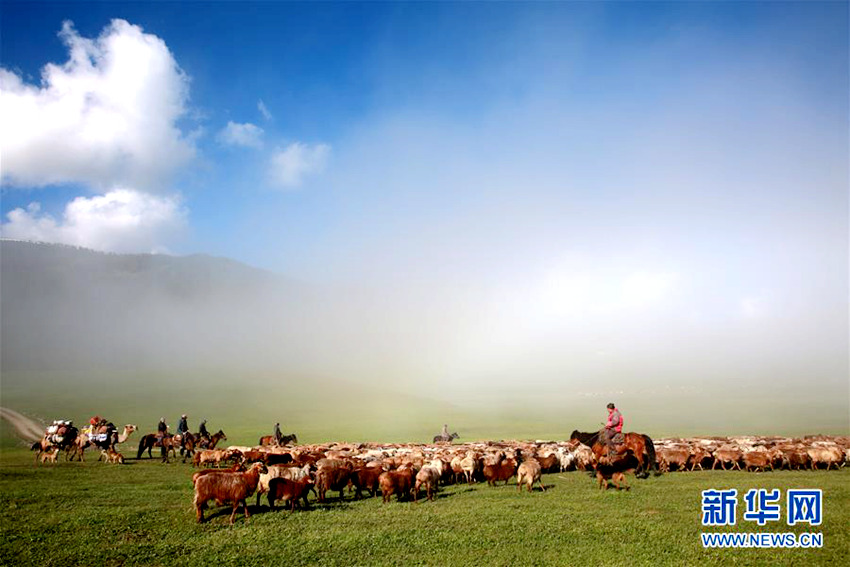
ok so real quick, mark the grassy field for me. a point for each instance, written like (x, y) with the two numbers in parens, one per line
(140, 513)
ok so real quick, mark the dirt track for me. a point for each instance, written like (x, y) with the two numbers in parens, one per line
(26, 428)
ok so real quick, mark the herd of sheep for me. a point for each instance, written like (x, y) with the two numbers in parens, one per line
(288, 474)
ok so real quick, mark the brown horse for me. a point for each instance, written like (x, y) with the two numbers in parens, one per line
(167, 443)
(640, 445)
(193, 441)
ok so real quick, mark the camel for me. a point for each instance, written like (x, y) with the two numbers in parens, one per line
(84, 441)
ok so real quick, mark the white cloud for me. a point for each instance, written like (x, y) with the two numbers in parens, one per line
(292, 164)
(247, 135)
(261, 106)
(122, 220)
(105, 117)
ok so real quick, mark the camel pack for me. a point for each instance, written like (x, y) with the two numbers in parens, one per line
(56, 431)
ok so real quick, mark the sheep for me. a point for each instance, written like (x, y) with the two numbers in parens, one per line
(237, 467)
(366, 477)
(291, 491)
(583, 457)
(332, 474)
(216, 456)
(677, 455)
(234, 487)
(727, 454)
(548, 462)
(469, 465)
(280, 471)
(829, 455)
(757, 460)
(396, 482)
(528, 472)
(428, 476)
(698, 455)
(566, 458)
(502, 469)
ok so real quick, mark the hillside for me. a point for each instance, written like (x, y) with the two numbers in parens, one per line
(66, 308)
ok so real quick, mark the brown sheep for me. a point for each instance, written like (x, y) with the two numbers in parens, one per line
(398, 482)
(428, 476)
(332, 475)
(727, 454)
(756, 460)
(292, 491)
(234, 487)
(549, 463)
(698, 455)
(366, 477)
(503, 469)
(238, 467)
(826, 455)
(527, 473)
(673, 456)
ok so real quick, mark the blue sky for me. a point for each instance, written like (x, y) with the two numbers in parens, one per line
(533, 172)
(328, 72)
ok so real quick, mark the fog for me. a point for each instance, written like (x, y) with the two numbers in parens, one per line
(570, 241)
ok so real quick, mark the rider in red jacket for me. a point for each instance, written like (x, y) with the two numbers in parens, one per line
(613, 426)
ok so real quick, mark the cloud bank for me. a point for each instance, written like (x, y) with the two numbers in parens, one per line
(105, 117)
(122, 220)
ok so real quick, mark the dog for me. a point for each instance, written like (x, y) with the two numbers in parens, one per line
(112, 456)
(614, 470)
(49, 456)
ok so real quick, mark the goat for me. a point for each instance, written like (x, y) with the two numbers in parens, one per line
(234, 487)
(291, 491)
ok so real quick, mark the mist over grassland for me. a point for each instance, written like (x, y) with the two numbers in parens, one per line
(137, 337)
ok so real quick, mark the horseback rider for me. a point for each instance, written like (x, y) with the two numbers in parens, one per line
(161, 429)
(613, 427)
(183, 425)
(445, 433)
(202, 430)
(277, 434)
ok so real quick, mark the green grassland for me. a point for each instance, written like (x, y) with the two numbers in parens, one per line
(140, 513)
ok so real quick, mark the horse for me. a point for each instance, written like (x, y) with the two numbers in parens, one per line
(267, 440)
(445, 439)
(287, 439)
(639, 444)
(151, 440)
(192, 441)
